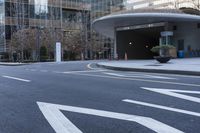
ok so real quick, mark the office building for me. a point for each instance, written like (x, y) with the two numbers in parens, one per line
(142, 24)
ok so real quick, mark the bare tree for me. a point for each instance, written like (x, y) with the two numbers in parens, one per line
(27, 44)
(72, 42)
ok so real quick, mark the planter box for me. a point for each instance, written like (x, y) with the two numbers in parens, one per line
(162, 59)
(173, 52)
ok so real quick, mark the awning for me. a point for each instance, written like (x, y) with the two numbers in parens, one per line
(106, 25)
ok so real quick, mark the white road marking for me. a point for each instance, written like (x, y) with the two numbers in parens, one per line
(163, 74)
(160, 77)
(139, 76)
(162, 107)
(57, 72)
(63, 125)
(15, 78)
(86, 71)
(114, 74)
(56, 119)
(89, 66)
(135, 79)
(33, 70)
(175, 93)
(43, 70)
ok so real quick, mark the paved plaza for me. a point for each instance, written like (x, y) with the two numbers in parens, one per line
(189, 66)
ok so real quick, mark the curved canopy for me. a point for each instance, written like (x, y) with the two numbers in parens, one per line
(106, 25)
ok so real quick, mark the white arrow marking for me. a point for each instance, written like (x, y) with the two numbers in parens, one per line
(63, 125)
(19, 79)
(162, 107)
(175, 93)
(138, 76)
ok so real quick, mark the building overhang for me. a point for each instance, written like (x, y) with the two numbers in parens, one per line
(106, 25)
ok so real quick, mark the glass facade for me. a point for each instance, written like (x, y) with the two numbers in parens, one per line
(2, 26)
(45, 13)
(101, 8)
(28, 16)
(161, 4)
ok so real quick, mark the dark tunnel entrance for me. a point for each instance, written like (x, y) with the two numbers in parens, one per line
(137, 43)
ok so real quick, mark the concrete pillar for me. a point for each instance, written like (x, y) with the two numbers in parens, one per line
(115, 45)
(167, 34)
(58, 52)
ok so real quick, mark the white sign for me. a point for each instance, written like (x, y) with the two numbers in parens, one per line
(58, 52)
(61, 124)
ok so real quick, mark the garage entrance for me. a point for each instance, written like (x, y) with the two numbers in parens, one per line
(138, 42)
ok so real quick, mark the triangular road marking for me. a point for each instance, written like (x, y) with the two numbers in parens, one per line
(176, 93)
(61, 124)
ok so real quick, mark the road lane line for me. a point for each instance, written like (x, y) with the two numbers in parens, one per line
(163, 74)
(43, 70)
(162, 107)
(15, 78)
(139, 76)
(114, 74)
(33, 70)
(175, 93)
(61, 124)
(86, 71)
(160, 77)
(143, 80)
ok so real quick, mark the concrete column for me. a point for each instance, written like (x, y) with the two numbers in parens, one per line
(167, 41)
(115, 45)
(167, 34)
(58, 52)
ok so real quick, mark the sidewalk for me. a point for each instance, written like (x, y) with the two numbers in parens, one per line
(188, 66)
(12, 64)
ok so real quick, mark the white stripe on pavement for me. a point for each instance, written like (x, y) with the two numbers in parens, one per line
(134, 79)
(93, 68)
(114, 74)
(43, 70)
(175, 93)
(164, 74)
(89, 66)
(184, 91)
(57, 119)
(86, 71)
(61, 124)
(159, 77)
(162, 107)
(15, 78)
(139, 76)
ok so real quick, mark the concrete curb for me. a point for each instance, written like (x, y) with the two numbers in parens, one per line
(13, 64)
(180, 72)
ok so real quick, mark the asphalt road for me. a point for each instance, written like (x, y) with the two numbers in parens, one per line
(75, 97)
